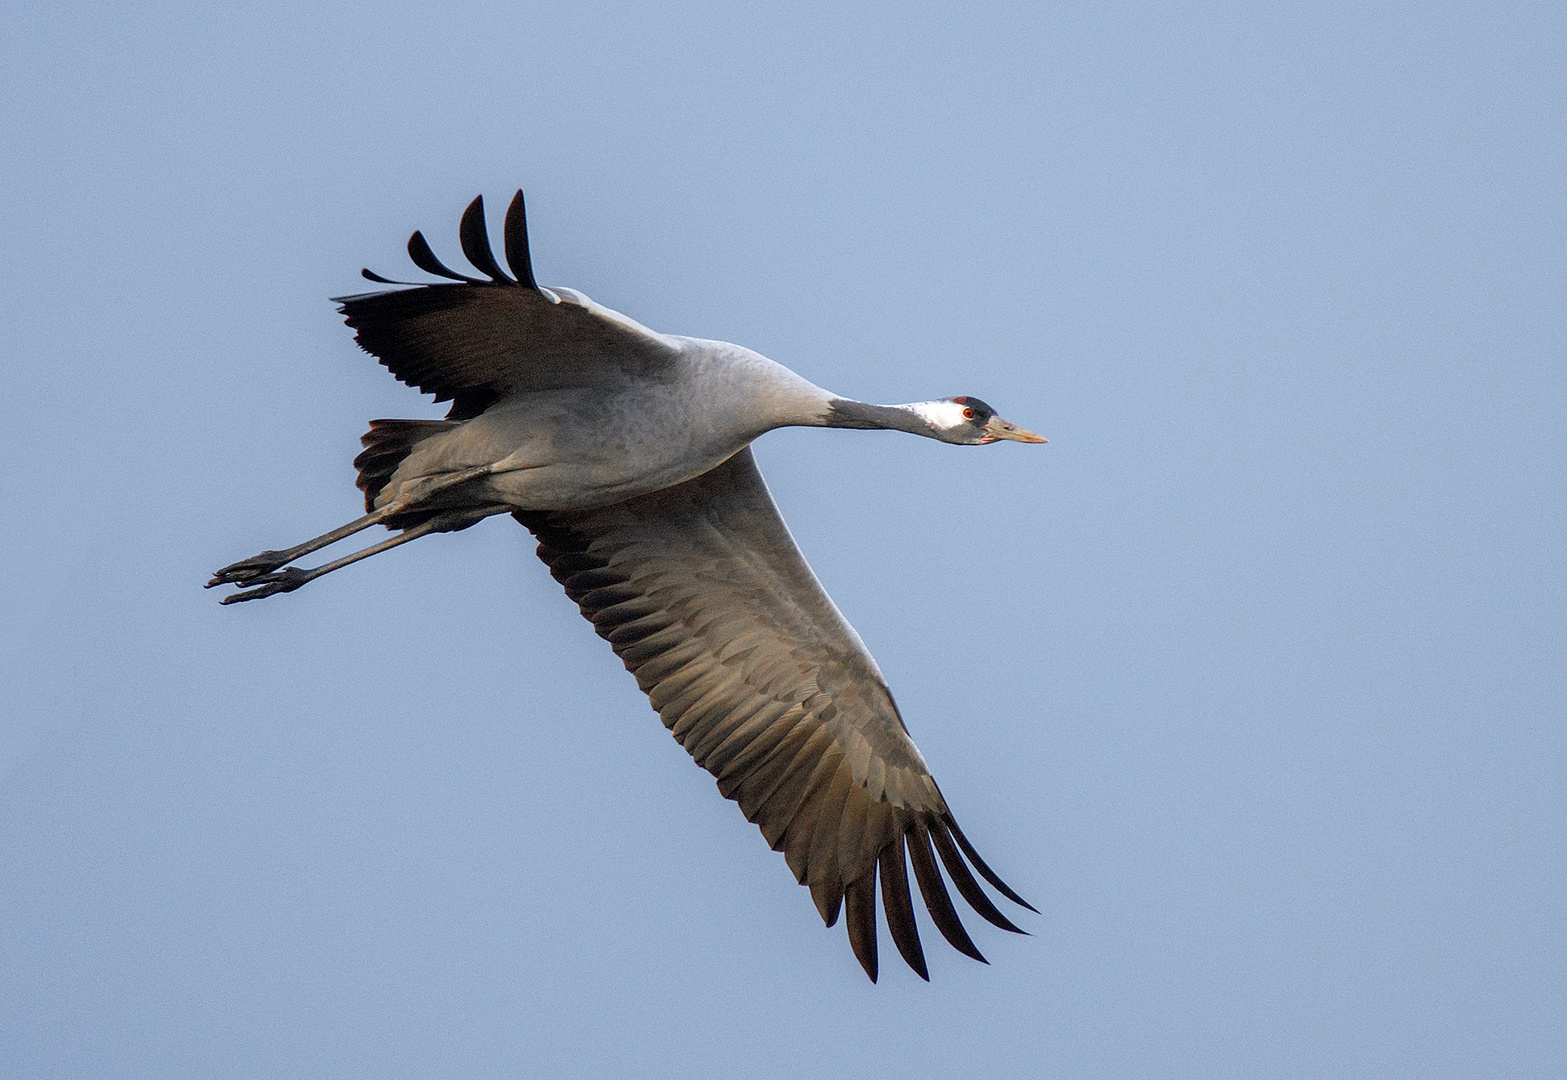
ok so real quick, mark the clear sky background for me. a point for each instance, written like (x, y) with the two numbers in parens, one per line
(1253, 680)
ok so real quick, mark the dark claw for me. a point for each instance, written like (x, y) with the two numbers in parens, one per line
(286, 580)
(247, 570)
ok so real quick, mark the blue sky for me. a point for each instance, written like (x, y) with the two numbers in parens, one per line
(1252, 681)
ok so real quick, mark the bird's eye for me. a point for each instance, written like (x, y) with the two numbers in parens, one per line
(968, 414)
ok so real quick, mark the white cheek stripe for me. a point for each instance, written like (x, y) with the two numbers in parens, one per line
(943, 414)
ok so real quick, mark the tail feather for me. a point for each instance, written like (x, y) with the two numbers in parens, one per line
(386, 444)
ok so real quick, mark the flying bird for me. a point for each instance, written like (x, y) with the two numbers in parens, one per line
(626, 453)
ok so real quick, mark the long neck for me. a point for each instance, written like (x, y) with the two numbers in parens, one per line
(845, 413)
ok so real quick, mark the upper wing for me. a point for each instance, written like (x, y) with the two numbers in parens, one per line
(702, 593)
(480, 339)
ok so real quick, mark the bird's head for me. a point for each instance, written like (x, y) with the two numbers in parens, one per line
(968, 421)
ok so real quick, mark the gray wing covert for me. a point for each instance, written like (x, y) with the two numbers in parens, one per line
(704, 596)
(474, 340)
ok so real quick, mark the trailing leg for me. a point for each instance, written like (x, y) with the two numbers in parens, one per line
(290, 578)
(247, 571)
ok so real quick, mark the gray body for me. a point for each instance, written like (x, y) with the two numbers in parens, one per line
(627, 453)
(583, 447)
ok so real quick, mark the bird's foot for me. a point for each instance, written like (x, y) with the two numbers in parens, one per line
(247, 571)
(285, 580)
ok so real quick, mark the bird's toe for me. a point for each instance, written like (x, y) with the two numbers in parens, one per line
(285, 580)
(249, 571)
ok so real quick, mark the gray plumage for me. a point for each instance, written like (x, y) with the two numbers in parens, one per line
(626, 453)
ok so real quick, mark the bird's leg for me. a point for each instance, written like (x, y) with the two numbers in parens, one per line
(292, 577)
(247, 571)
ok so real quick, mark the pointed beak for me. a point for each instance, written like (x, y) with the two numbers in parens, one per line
(997, 428)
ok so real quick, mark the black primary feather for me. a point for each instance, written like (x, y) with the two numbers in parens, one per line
(516, 240)
(898, 906)
(984, 871)
(419, 251)
(373, 276)
(937, 901)
(475, 237)
(965, 882)
(859, 901)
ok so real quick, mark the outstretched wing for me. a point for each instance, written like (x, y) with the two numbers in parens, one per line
(475, 340)
(703, 594)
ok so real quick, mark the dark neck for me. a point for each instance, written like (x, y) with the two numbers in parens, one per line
(858, 414)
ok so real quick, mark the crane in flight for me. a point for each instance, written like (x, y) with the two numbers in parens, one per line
(626, 453)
